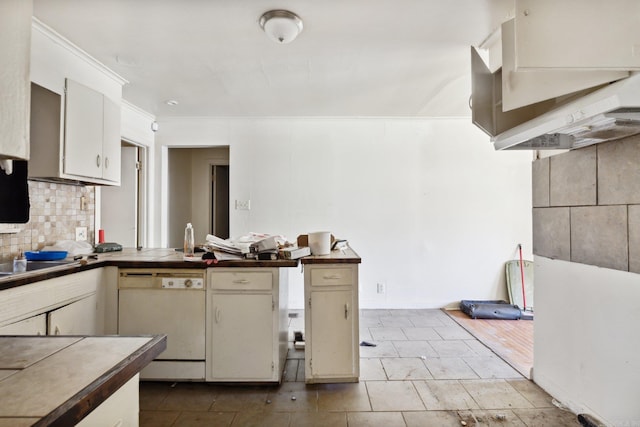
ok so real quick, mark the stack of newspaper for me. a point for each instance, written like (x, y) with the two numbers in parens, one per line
(223, 249)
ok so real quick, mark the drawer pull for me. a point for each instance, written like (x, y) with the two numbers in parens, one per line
(217, 315)
(331, 277)
(346, 311)
(241, 282)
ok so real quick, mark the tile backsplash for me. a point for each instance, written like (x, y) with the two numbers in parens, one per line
(56, 210)
(586, 205)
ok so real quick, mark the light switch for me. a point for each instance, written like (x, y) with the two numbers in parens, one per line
(243, 205)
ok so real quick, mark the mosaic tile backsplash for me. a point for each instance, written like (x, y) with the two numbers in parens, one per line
(56, 210)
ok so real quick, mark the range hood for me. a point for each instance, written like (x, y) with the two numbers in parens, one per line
(606, 114)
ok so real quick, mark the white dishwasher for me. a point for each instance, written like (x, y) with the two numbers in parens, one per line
(171, 302)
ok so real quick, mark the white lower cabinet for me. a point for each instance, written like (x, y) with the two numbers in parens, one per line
(78, 318)
(331, 323)
(36, 325)
(68, 305)
(121, 409)
(241, 337)
(244, 325)
(331, 351)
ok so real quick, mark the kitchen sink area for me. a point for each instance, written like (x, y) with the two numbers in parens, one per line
(6, 269)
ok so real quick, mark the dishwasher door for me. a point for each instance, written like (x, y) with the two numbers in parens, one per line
(178, 313)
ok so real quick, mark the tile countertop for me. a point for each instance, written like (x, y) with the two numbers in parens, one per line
(344, 256)
(60, 380)
(165, 258)
(133, 258)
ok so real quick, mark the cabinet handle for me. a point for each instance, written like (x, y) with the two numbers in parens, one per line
(217, 315)
(98, 160)
(56, 331)
(240, 282)
(331, 277)
(106, 163)
(346, 311)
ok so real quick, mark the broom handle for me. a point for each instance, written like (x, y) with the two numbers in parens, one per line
(524, 298)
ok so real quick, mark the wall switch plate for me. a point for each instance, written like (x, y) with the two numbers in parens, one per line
(243, 205)
(381, 288)
(81, 234)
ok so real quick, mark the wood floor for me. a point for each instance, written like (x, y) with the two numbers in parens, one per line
(512, 340)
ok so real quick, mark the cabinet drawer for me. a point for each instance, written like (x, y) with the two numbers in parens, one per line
(337, 276)
(242, 280)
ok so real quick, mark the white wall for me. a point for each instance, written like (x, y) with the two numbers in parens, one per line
(586, 342)
(431, 208)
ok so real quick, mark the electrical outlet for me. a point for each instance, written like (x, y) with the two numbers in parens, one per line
(381, 288)
(243, 205)
(81, 234)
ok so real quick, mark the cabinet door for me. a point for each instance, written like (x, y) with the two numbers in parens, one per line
(241, 346)
(36, 325)
(333, 335)
(83, 131)
(15, 33)
(111, 141)
(78, 318)
(525, 88)
(573, 34)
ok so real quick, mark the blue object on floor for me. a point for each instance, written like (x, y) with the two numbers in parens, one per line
(491, 309)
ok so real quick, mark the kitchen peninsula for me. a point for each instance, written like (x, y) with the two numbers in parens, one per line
(60, 381)
(198, 305)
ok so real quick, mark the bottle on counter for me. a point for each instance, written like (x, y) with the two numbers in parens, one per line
(189, 243)
(20, 263)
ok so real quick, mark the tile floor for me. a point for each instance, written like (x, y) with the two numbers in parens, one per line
(426, 370)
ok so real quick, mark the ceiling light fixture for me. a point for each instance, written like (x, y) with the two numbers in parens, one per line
(281, 26)
(171, 102)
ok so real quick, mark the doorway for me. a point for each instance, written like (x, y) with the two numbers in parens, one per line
(198, 192)
(122, 208)
(220, 201)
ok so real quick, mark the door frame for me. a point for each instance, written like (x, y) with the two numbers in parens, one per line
(142, 211)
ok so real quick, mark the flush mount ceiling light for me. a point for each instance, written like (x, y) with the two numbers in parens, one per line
(281, 26)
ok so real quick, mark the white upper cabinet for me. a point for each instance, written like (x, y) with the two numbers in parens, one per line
(111, 140)
(520, 88)
(487, 102)
(83, 131)
(577, 34)
(92, 134)
(15, 34)
(76, 112)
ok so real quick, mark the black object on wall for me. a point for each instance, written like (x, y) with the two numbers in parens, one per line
(14, 195)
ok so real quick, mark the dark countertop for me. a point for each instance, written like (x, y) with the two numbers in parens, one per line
(345, 256)
(133, 258)
(44, 381)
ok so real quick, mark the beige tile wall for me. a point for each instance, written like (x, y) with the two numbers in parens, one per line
(56, 211)
(586, 205)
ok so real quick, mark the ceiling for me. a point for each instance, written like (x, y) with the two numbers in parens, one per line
(354, 58)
